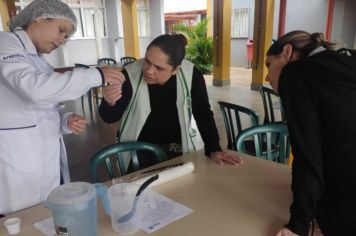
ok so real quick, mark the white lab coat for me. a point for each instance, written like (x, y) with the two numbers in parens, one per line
(32, 151)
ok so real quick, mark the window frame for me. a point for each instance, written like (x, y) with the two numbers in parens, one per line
(146, 9)
(245, 22)
(82, 22)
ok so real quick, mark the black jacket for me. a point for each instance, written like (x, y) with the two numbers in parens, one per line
(319, 97)
(162, 125)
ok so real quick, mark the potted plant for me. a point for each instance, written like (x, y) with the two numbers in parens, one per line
(199, 49)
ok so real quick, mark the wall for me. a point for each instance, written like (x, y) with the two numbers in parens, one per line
(238, 53)
(306, 15)
(114, 21)
(1, 28)
(349, 26)
(84, 50)
(143, 45)
(156, 18)
(238, 45)
(338, 21)
(311, 18)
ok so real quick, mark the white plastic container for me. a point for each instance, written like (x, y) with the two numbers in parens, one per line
(13, 225)
(121, 197)
(74, 209)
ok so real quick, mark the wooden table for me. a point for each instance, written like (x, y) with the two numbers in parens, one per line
(250, 200)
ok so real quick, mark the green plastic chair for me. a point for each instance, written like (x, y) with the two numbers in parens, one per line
(126, 60)
(112, 156)
(232, 114)
(271, 141)
(268, 95)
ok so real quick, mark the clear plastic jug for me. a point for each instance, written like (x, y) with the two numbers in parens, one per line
(74, 209)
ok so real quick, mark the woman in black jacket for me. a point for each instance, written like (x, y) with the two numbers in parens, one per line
(317, 86)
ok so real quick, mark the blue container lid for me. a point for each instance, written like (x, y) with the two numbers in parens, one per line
(73, 196)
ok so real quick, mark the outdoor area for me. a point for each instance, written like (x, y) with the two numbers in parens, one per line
(188, 17)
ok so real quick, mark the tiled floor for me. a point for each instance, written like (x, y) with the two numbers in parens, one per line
(99, 134)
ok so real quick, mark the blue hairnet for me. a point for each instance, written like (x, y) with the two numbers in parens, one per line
(53, 9)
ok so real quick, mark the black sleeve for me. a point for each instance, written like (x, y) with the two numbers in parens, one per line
(203, 114)
(114, 113)
(300, 103)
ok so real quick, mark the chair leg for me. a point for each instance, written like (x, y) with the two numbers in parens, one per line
(90, 101)
(82, 102)
(97, 96)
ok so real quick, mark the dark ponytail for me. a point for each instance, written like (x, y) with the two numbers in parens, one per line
(173, 45)
(302, 42)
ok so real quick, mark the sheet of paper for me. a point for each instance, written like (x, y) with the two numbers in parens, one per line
(159, 211)
(46, 226)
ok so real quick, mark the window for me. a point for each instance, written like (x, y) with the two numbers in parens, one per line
(143, 20)
(239, 23)
(89, 13)
(20, 4)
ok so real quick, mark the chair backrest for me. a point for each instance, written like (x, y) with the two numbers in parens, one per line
(232, 115)
(126, 60)
(106, 61)
(271, 141)
(112, 155)
(268, 98)
(78, 65)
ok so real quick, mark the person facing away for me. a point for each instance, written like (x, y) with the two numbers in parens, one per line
(32, 152)
(317, 86)
(157, 100)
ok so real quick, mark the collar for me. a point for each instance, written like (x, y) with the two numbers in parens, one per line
(316, 51)
(23, 36)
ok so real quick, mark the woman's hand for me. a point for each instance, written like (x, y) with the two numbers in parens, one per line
(76, 123)
(112, 93)
(112, 75)
(285, 232)
(223, 156)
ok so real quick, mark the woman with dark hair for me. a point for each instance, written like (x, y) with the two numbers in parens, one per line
(157, 100)
(317, 86)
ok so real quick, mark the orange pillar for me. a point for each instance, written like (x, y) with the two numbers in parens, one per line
(7, 9)
(209, 15)
(329, 20)
(262, 40)
(282, 17)
(222, 42)
(130, 28)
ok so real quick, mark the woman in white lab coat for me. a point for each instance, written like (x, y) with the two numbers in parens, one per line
(32, 152)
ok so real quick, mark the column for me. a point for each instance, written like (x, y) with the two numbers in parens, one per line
(221, 33)
(130, 27)
(6, 7)
(262, 39)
